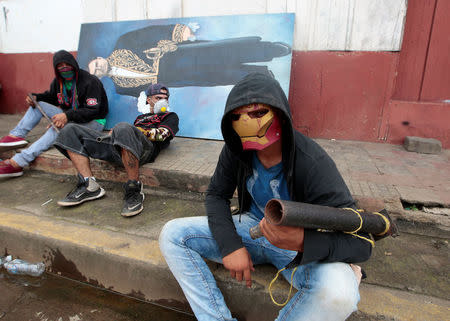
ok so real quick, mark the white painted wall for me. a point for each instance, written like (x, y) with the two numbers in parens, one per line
(50, 25)
(39, 25)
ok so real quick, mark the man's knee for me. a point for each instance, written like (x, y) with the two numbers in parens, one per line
(170, 232)
(123, 129)
(67, 131)
(179, 230)
(341, 289)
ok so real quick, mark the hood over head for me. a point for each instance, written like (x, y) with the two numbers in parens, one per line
(256, 88)
(67, 57)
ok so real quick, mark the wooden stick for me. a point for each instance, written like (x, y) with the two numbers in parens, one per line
(36, 104)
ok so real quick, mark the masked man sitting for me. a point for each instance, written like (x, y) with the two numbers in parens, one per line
(126, 144)
(264, 157)
(74, 96)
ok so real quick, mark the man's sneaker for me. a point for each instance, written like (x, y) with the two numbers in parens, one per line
(10, 141)
(7, 170)
(84, 191)
(134, 198)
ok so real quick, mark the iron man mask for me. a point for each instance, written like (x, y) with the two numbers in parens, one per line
(257, 125)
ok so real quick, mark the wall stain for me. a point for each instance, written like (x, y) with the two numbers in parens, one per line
(5, 16)
(58, 264)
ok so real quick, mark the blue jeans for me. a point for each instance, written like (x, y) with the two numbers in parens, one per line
(29, 121)
(326, 291)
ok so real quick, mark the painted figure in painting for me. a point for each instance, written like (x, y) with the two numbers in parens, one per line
(171, 54)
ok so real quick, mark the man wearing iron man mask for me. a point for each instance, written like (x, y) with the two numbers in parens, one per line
(257, 125)
(264, 157)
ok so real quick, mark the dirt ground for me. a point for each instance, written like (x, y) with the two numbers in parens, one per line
(51, 298)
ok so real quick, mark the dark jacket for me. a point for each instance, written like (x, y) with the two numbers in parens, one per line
(92, 100)
(190, 63)
(311, 175)
(167, 120)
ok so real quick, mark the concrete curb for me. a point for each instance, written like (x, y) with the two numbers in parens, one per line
(120, 262)
(133, 265)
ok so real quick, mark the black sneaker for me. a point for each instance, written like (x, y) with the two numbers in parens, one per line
(134, 198)
(84, 191)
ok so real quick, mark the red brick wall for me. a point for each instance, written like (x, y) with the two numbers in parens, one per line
(341, 95)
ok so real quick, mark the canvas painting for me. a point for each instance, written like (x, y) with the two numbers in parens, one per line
(199, 59)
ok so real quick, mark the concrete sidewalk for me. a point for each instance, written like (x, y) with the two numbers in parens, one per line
(408, 276)
(378, 175)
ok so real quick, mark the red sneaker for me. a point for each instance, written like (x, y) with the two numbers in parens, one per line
(7, 170)
(9, 141)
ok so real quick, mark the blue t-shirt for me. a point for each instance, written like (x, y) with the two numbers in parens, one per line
(266, 184)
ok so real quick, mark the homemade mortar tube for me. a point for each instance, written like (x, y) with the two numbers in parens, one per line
(311, 216)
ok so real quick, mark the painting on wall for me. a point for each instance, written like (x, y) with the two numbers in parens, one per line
(199, 59)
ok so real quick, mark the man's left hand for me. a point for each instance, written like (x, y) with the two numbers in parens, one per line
(358, 273)
(60, 120)
(284, 237)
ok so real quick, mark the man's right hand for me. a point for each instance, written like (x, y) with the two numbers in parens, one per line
(240, 265)
(29, 101)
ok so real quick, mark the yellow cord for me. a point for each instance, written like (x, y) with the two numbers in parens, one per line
(357, 212)
(360, 220)
(359, 227)
(386, 221)
(290, 289)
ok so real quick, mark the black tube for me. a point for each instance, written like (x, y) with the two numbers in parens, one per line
(288, 213)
